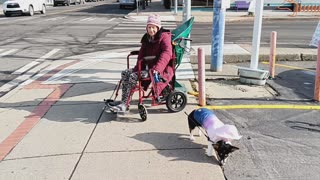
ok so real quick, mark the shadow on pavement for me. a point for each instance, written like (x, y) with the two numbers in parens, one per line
(294, 84)
(195, 151)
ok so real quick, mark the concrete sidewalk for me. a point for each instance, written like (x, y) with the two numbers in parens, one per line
(54, 127)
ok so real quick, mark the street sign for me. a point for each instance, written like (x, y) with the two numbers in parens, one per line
(316, 37)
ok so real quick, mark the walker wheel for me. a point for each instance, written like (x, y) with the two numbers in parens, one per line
(176, 101)
(143, 112)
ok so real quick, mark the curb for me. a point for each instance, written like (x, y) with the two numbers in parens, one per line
(238, 58)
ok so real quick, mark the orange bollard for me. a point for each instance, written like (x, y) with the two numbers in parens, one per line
(201, 77)
(309, 8)
(317, 78)
(300, 7)
(272, 56)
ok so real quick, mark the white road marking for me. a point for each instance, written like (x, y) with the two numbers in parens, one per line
(35, 62)
(125, 35)
(111, 19)
(120, 42)
(139, 22)
(8, 52)
(135, 28)
(56, 18)
(144, 25)
(88, 19)
(15, 82)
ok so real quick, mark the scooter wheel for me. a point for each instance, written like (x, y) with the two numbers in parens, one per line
(143, 112)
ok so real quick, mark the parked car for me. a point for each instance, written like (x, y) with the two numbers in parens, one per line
(66, 2)
(130, 3)
(28, 7)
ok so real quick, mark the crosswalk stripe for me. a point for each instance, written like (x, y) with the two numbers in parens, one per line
(56, 18)
(15, 82)
(120, 42)
(35, 62)
(88, 19)
(135, 28)
(143, 25)
(125, 35)
(8, 52)
(139, 22)
(111, 19)
(1, 50)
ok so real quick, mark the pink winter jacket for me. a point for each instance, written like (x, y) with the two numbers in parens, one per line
(160, 47)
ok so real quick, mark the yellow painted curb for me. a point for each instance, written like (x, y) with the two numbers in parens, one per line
(193, 93)
(290, 67)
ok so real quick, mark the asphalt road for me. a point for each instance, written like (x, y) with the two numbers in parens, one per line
(277, 143)
(64, 31)
(290, 32)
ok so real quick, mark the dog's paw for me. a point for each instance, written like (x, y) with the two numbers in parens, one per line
(192, 138)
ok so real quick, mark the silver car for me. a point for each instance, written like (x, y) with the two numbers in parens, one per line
(66, 2)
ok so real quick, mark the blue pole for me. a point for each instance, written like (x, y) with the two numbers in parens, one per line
(217, 36)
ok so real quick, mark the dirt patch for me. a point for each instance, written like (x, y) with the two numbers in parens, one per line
(232, 88)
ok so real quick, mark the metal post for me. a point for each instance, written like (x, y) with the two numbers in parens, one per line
(137, 7)
(317, 78)
(272, 56)
(217, 36)
(201, 77)
(256, 35)
(175, 6)
(186, 15)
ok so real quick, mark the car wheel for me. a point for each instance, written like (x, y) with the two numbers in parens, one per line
(31, 11)
(7, 14)
(43, 9)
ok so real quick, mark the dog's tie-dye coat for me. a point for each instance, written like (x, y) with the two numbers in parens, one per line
(216, 129)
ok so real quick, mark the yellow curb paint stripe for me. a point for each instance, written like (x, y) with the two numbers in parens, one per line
(290, 67)
(193, 93)
(263, 106)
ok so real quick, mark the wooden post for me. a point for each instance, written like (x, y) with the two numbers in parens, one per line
(317, 78)
(272, 56)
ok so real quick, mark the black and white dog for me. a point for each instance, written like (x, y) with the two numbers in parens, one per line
(219, 134)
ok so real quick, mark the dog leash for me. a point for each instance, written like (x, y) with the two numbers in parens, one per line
(205, 134)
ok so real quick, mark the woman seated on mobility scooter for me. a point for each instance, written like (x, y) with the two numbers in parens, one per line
(156, 42)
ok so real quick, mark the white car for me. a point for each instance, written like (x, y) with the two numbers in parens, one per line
(24, 7)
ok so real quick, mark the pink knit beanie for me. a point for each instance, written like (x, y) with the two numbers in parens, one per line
(154, 19)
